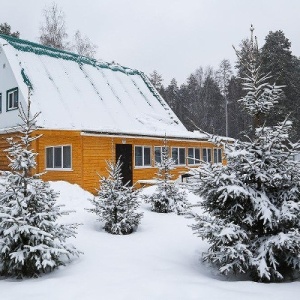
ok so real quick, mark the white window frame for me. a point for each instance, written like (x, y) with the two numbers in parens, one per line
(207, 150)
(192, 160)
(62, 168)
(13, 92)
(218, 157)
(160, 150)
(177, 161)
(143, 165)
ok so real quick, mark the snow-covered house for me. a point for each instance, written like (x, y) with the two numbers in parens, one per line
(91, 111)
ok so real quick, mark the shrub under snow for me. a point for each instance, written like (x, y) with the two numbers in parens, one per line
(167, 196)
(116, 203)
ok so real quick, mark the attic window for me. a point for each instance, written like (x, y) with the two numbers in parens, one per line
(58, 157)
(12, 99)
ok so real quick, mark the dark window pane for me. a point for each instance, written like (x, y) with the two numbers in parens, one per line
(57, 157)
(147, 158)
(10, 101)
(204, 154)
(138, 156)
(66, 157)
(182, 156)
(191, 160)
(157, 152)
(175, 155)
(15, 96)
(209, 155)
(197, 156)
(49, 158)
(219, 155)
(215, 156)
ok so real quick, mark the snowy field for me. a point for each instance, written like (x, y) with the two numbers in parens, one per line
(159, 261)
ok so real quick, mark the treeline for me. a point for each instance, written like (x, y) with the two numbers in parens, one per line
(209, 99)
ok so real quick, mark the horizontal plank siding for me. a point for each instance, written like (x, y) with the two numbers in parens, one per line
(90, 153)
(52, 138)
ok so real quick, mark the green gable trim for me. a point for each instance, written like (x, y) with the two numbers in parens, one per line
(26, 79)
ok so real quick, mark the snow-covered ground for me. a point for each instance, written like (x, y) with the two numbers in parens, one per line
(159, 261)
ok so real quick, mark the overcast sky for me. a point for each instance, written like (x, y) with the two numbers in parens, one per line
(174, 37)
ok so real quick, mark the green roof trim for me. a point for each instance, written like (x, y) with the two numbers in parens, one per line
(39, 49)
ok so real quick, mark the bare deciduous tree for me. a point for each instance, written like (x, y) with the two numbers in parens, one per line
(83, 45)
(53, 30)
(223, 77)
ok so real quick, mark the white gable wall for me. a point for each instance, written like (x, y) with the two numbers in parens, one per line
(8, 81)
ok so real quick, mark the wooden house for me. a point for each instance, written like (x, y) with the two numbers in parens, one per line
(91, 111)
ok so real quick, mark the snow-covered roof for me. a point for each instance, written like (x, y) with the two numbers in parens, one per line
(79, 93)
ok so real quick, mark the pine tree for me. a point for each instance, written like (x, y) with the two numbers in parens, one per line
(116, 203)
(167, 197)
(252, 203)
(278, 59)
(6, 29)
(31, 240)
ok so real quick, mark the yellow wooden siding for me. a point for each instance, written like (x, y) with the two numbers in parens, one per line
(90, 153)
(52, 138)
(98, 149)
(3, 155)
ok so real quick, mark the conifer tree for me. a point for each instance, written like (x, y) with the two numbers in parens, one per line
(167, 197)
(116, 203)
(31, 240)
(6, 29)
(252, 203)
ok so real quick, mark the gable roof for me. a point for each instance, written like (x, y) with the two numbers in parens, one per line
(76, 92)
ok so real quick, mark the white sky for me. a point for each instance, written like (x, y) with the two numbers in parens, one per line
(173, 37)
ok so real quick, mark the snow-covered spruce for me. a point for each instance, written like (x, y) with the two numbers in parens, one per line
(252, 203)
(167, 197)
(31, 240)
(116, 203)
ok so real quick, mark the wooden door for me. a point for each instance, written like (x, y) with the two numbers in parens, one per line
(124, 152)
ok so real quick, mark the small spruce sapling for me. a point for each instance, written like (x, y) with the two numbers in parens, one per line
(31, 240)
(116, 203)
(252, 203)
(167, 197)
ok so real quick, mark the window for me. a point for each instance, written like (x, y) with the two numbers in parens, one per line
(0, 103)
(178, 155)
(193, 156)
(142, 156)
(58, 157)
(206, 154)
(217, 156)
(158, 152)
(12, 99)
